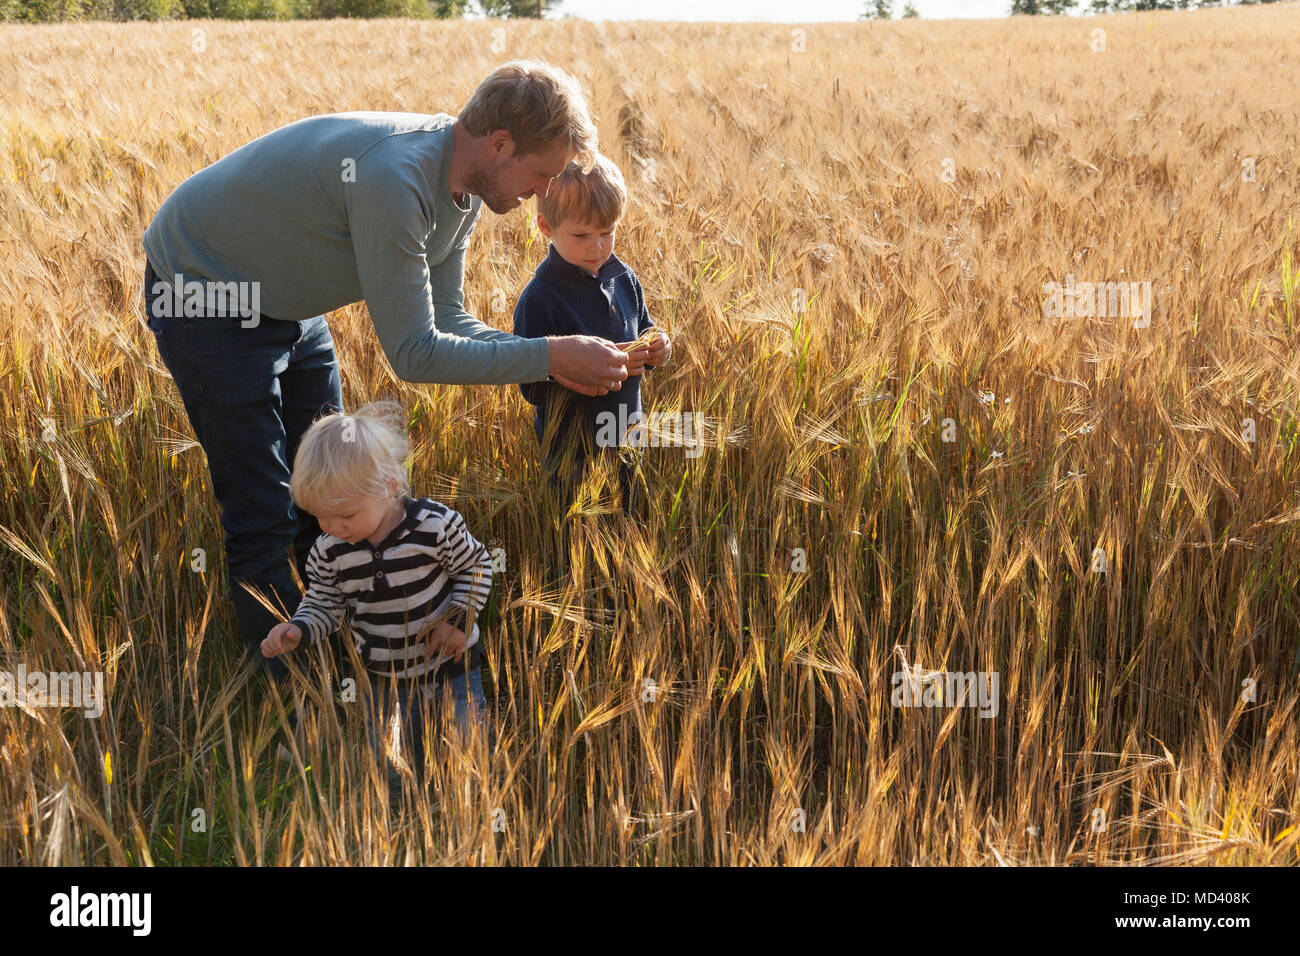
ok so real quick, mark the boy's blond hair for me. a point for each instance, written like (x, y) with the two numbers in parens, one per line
(598, 195)
(538, 104)
(345, 455)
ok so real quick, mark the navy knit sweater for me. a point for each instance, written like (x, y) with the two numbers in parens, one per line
(564, 299)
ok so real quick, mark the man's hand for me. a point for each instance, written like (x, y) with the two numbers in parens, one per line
(282, 639)
(586, 364)
(446, 639)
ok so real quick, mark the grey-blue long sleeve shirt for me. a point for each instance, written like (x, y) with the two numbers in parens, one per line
(342, 207)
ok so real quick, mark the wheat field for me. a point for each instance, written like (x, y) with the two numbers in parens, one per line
(911, 467)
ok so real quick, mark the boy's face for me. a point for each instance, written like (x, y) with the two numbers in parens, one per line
(584, 244)
(357, 517)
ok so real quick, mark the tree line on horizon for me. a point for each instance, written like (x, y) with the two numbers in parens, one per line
(884, 9)
(45, 11)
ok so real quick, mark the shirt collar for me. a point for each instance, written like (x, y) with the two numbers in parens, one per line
(409, 521)
(557, 269)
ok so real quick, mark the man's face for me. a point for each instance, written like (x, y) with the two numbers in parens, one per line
(505, 180)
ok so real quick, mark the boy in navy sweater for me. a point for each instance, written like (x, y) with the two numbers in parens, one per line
(582, 288)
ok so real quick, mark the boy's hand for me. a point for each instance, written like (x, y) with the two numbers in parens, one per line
(650, 351)
(447, 639)
(661, 350)
(282, 639)
(636, 359)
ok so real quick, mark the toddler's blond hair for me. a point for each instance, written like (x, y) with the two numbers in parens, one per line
(344, 455)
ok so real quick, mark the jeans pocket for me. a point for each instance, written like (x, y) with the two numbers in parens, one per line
(224, 324)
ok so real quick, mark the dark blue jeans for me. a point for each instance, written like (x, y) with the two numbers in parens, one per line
(250, 393)
(416, 710)
(564, 475)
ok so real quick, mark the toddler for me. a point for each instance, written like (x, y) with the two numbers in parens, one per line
(406, 570)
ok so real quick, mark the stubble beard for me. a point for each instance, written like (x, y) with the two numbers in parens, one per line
(485, 183)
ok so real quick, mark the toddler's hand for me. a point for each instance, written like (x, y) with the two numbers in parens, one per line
(447, 639)
(283, 638)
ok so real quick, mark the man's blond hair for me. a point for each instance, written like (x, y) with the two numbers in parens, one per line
(538, 104)
(596, 195)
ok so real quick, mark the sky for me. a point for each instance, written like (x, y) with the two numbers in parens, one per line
(770, 11)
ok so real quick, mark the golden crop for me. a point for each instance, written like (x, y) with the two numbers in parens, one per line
(910, 468)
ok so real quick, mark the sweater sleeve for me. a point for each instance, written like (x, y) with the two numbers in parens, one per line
(446, 280)
(643, 323)
(533, 320)
(321, 609)
(417, 309)
(468, 564)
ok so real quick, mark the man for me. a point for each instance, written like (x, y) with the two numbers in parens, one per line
(316, 215)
